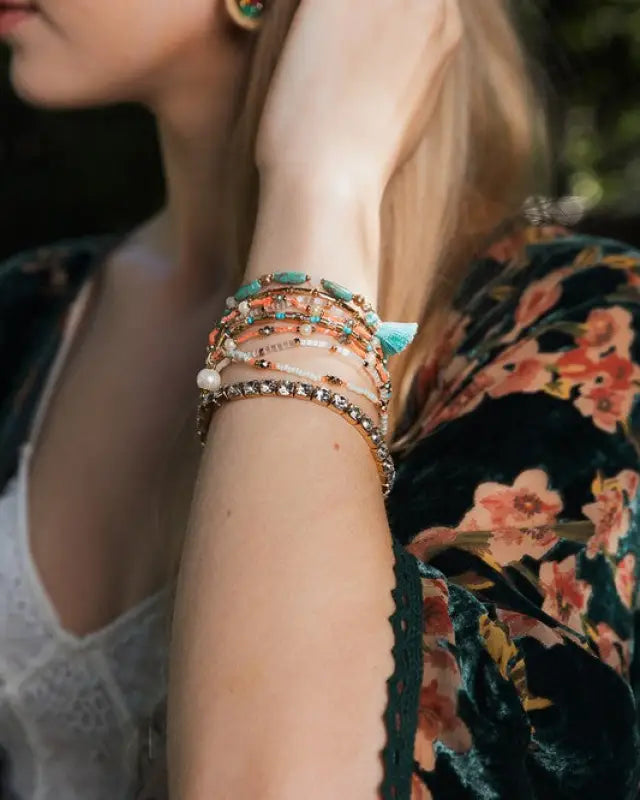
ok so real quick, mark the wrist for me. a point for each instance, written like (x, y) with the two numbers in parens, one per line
(323, 224)
(320, 179)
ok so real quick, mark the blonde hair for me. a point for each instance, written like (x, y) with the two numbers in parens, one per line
(470, 174)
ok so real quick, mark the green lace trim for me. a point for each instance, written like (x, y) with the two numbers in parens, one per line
(401, 715)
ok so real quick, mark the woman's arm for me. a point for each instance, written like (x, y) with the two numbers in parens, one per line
(282, 641)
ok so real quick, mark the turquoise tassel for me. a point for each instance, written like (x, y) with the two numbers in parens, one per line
(394, 337)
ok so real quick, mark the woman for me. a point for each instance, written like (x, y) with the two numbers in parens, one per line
(485, 647)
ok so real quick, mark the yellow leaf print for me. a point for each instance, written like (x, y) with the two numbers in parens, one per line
(497, 641)
(622, 261)
(560, 388)
(588, 257)
(509, 661)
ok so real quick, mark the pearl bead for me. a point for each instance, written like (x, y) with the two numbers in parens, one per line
(209, 380)
(229, 345)
(231, 302)
(244, 308)
(306, 330)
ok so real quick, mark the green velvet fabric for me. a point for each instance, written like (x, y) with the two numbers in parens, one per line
(519, 502)
(515, 518)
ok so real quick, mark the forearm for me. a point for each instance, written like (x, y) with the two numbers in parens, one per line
(282, 643)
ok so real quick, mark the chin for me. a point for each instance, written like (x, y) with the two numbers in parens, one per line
(44, 89)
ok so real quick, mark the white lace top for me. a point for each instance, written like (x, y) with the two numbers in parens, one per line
(77, 713)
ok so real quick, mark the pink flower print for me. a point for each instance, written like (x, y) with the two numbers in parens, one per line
(605, 406)
(625, 578)
(565, 595)
(538, 298)
(610, 516)
(523, 625)
(614, 372)
(431, 539)
(608, 327)
(628, 481)
(435, 605)
(511, 544)
(529, 503)
(613, 650)
(438, 718)
(437, 621)
(520, 368)
(575, 366)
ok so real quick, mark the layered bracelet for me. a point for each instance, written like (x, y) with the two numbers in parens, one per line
(315, 311)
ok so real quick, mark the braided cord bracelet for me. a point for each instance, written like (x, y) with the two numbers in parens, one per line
(296, 390)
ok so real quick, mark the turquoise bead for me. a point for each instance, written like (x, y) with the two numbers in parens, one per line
(249, 320)
(372, 320)
(347, 329)
(247, 290)
(314, 319)
(280, 315)
(290, 277)
(337, 291)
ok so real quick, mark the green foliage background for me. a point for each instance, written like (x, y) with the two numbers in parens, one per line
(72, 173)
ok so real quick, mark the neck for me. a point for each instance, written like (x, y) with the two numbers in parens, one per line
(194, 120)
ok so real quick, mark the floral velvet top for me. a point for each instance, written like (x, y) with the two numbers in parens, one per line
(515, 518)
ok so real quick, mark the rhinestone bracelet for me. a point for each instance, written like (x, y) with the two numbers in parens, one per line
(210, 401)
(210, 380)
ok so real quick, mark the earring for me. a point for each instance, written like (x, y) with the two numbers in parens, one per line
(246, 13)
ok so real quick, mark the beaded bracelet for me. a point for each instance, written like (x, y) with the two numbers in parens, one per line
(367, 359)
(294, 281)
(379, 377)
(393, 336)
(209, 402)
(209, 379)
(344, 331)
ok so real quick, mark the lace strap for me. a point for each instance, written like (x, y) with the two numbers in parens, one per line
(401, 715)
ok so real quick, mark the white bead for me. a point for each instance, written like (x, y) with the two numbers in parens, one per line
(244, 308)
(209, 380)
(231, 302)
(306, 330)
(229, 346)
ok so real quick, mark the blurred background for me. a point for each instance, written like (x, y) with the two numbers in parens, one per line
(78, 173)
